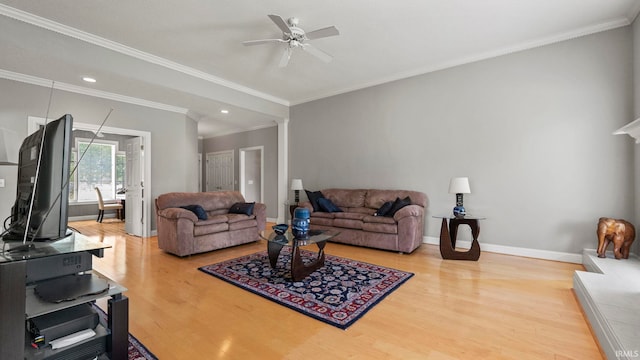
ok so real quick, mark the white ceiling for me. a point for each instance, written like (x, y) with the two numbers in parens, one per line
(187, 55)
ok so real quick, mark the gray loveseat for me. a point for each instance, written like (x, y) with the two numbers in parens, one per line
(358, 225)
(181, 232)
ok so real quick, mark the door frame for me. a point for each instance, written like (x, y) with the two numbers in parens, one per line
(32, 125)
(243, 169)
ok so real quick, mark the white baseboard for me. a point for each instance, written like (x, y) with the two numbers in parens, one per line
(90, 217)
(273, 220)
(511, 250)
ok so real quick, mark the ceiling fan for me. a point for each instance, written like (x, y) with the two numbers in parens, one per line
(294, 37)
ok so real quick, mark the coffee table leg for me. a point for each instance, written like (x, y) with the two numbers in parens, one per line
(299, 270)
(273, 248)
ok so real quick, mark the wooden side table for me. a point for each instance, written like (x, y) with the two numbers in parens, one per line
(449, 233)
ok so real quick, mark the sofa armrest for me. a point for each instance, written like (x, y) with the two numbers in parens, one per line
(260, 211)
(409, 210)
(177, 213)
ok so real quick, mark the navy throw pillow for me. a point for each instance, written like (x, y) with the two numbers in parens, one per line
(198, 210)
(327, 206)
(384, 209)
(313, 197)
(242, 208)
(398, 204)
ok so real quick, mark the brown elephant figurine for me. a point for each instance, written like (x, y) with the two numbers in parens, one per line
(620, 232)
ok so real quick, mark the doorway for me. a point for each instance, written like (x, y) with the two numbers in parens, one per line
(144, 209)
(220, 171)
(252, 173)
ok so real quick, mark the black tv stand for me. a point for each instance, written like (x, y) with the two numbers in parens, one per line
(19, 301)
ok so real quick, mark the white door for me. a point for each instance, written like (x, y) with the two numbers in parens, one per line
(220, 171)
(134, 222)
(199, 162)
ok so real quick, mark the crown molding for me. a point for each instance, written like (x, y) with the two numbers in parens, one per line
(129, 51)
(205, 137)
(34, 80)
(590, 30)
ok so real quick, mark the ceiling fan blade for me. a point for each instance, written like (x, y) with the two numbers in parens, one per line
(260, 42)
(324, 32)
(280, 23)
(317, 52)
(286, 55)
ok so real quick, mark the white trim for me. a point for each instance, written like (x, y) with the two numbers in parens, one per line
(34, 80)
(614, 24)
(283, 169)
(129, 51)
(91, 217)
(242, 152)
(511, 250)
(273, 220)
(237, 131)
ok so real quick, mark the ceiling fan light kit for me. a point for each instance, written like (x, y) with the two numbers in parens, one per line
(294, 37)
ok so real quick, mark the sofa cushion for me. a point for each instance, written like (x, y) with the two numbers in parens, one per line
(317, 220)
(379, 219)
(207, 229)
(210, 201)
(360, 210)
(321, 214)
(346, 197)
(397, 205)
(327, 206)
(198, 210)
(313, 197)
(214, 219)
(242, 208)
(246, 223)
(234, 218)
(351, 216)
(380, 228)
(347, 223)
(375, 198)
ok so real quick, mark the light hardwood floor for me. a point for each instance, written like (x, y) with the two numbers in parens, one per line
(501, 307)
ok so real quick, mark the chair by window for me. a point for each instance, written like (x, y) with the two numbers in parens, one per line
(102, 207)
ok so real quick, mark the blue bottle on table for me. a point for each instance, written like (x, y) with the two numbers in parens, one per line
(300, 223)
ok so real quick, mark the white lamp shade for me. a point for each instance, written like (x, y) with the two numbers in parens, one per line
(9, 147)
(296, 184)
(459, 185)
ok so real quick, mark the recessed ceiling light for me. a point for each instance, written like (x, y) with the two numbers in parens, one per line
(89, 79)
(224, 111)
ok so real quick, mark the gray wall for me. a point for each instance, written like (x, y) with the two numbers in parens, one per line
(636, 113)
(532, 131)
(267, 137)
(173, 136)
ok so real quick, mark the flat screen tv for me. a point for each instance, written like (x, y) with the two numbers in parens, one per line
(43, 175)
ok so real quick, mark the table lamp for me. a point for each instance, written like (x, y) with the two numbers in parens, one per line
(9, 147)
(459, 186)
(296, 186)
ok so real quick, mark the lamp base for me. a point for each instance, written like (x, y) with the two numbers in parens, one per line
(459, 211)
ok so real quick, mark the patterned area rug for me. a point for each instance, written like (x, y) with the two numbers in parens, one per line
(338, 293)
(136, 350)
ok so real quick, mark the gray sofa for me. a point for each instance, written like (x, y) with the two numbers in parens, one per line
(403, 232)
(181, 232)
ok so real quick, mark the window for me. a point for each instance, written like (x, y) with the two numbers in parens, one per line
(97, 169)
